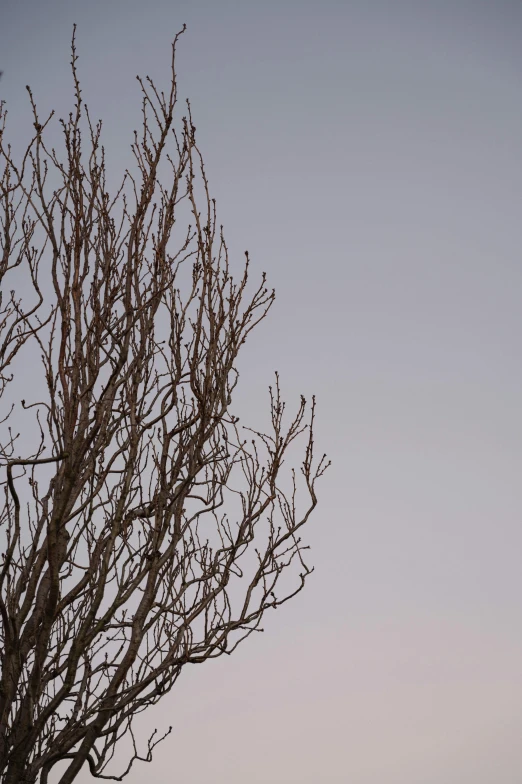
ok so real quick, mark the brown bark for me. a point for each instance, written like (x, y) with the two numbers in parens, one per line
(146, 530)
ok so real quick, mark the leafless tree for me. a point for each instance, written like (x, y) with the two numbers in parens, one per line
(144, 529)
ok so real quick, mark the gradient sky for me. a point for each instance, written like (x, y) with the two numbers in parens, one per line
(369, 156)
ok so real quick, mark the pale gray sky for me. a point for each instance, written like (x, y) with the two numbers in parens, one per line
(369, 156)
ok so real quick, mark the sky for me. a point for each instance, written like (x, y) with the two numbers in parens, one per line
(368, 154)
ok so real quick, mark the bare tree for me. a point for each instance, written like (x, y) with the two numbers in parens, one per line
(144, 529)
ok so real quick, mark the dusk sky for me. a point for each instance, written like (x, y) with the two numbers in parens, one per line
(369, 156)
